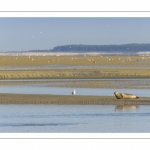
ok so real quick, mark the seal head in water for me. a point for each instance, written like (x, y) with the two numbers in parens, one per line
(125, 96)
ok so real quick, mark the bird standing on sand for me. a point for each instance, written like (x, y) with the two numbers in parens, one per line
(74, 92)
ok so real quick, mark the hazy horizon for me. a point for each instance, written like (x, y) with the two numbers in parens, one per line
(23, 34)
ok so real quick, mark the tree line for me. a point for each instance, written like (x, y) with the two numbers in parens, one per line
(102, 48)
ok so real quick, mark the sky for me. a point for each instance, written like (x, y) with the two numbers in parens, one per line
(27, 33)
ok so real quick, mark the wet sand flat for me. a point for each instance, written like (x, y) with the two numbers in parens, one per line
(74, 60)
(69, 100)
(98, 67)
(130, 67)
(93, 73)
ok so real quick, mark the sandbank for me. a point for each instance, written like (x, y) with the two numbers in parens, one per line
(69, 100)
(74, 67)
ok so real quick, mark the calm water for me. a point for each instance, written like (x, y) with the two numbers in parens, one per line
(74, 119)
(40, 86)
(72, 66)
(68, 91)
(69, 67)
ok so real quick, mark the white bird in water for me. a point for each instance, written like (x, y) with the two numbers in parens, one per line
(74, 92)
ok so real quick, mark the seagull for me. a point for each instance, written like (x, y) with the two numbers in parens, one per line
(74, 92)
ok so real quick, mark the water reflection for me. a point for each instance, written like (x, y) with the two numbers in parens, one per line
(124, 108)
(74, 118)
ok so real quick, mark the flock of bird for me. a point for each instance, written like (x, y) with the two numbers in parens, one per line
(107, 58)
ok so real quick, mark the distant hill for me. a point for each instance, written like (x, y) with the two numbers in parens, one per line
(131, 48)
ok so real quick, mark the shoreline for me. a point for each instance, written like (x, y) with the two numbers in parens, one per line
(69, 100)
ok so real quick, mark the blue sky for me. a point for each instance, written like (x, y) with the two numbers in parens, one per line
(23, 34)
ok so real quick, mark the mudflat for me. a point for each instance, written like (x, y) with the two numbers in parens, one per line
(69, 100)
(75, 67)
(83, 67)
